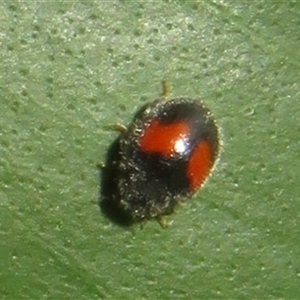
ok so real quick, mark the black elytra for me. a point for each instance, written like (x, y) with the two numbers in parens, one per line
(164, 157)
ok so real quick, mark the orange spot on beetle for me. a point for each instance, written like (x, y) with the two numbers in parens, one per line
(164, 139)
(199, 165)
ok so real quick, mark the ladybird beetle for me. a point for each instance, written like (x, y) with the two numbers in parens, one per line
(165, 156)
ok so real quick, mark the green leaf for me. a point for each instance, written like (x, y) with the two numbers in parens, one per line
(69, 70)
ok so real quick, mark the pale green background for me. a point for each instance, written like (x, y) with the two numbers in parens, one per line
(70, 70)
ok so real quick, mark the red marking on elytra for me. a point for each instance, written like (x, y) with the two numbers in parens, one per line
(161, 138)
(199, 165)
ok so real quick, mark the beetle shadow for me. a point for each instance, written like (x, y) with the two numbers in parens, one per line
(109, 195)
